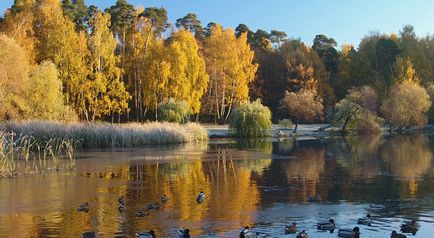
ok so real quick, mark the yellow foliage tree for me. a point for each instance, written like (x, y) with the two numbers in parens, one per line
(230, 68)
(14, 81)
(45, 93)
(188, 78)
(60, 43)
(107, 93)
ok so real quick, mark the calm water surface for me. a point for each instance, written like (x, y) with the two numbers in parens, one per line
(260, 183)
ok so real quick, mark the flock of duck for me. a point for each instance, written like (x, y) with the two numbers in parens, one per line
(246, 232)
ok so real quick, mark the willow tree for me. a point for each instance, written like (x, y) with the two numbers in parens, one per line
(61, 44)
(13, 80)
(106, 94)
(188, 78)
(230, 68)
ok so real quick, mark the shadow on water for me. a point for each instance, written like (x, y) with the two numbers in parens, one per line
(261, 183)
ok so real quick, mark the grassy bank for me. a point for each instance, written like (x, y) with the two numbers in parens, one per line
(108, 135)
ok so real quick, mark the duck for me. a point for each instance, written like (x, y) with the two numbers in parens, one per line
(154, 206)
(83, 207)
(184, 233)
(89, 234)
(144, 234)
(409, 227)
(397, 235)
(201, 197)
(245, 232)
(291, 229)
(330, 225)
(302, 234)
(348, 233)
(164, 198)
(122, 207)
(365, 220)
(121, 200)
(142, 213)
(313, 199)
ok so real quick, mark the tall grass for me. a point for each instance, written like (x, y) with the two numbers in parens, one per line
(22, 154)
(108, 135)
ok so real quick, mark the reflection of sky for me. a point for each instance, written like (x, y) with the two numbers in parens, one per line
(243, 186)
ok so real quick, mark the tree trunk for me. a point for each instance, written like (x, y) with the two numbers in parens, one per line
(296, 126)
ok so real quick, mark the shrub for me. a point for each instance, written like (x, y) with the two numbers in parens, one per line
(367, 124)
(286, 123)
(172, 111)
(251, 120)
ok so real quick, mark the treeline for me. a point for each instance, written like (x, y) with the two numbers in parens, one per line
(61, 60)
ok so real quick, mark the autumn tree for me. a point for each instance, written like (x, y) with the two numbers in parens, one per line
(407, 102)
(45, 95)
(14, 81)
(106, 94)
(77, 12)
(122, 17)
(302, 105)
(230, 68)
(158, 19)
(55, 35)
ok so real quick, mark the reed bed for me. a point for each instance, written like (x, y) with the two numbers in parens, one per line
(23, 154)
(108, 135)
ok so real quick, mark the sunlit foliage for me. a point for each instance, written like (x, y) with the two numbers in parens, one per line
(251, 120)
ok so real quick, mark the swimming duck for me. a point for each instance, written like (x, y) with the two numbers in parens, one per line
(144, 234)
(154, 206)
(313, 199)
(365, 220)
(396, 235)
(245, 232)
(184, 233)
(164, 198)
(348, 233)
(89, 234)
(122, 207)
(83, 207)
(291, 229)
(302, 234)
(142, 213)
(330, 225)
(201, 197)
(410, 227)
(121, 200)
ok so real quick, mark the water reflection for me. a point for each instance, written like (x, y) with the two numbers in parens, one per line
(261, 183)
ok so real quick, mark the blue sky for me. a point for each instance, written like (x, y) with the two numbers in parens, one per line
(347, 21)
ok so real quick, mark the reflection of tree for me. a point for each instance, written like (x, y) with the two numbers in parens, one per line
(260, 145)
(362, 160)
(408, 156)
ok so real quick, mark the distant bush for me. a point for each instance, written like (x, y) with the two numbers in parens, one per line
(172, 111)
(367, 124)
(251, 120)
(286, 123)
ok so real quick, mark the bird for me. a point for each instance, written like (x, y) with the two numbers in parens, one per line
(409, 227)
(83, 207)
(302, 234)
(330, 225)
(154, 206)
(291, 229)
(164, 198)
(313, 199)
(184, 233)
(142, 213)
(121, 200)
(89, 234)
(144, 234)
(201, 197)
(397, 235)
(365, 220)
(348, 233)
(122, 207)
(245, 232)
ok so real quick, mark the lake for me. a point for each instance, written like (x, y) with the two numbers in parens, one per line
(262, 183)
